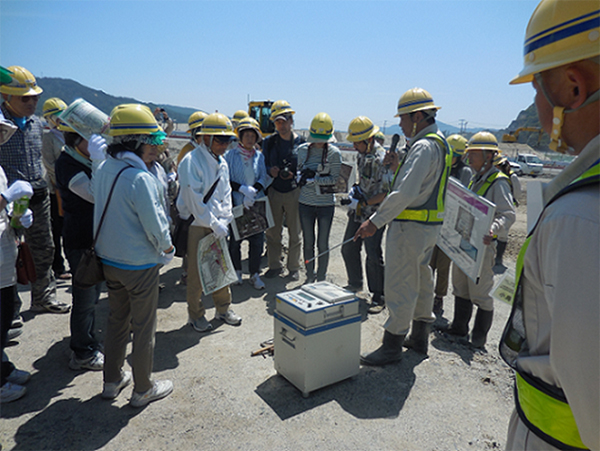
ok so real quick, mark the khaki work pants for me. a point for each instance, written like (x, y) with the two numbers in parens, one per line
(132, 303)
(284, 203)
(221, 298)
(408, 277)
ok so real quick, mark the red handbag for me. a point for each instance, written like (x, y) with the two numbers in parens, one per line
(25, 266)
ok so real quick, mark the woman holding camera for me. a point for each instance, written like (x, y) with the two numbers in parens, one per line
(319, 165)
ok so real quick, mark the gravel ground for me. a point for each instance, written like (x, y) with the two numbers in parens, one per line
(457, 399)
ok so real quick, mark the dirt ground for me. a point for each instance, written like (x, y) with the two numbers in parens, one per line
(456, 399)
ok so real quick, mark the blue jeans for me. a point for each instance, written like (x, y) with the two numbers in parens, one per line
(256, 243)
(83, 314)
(323, 217)
(374, 264)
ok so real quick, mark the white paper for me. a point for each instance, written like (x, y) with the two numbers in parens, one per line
(85, 118)
(467, 218)
(255, 220)
(504, 288)
(214, 264)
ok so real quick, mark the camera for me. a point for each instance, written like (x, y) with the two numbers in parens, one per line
(306, 174)
(286, 170)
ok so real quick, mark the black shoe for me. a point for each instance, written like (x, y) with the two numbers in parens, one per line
(353, 288)
(389, 352)
(483, 323)
(272, 273)
(463, 309)
(418, 340)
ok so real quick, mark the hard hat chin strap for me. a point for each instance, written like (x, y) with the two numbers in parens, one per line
(556, 143)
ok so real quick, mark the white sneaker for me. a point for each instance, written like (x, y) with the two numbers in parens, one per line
(94, 363)
(239, 277)
(11, 392)
(256, 282)
(295, 275)
(160, 390)
(18, 377)
(229, 317)
(112, 389)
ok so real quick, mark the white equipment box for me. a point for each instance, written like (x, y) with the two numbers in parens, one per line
(317, 336)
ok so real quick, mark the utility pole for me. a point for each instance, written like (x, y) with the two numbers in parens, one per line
(463, 125)
(384, 126)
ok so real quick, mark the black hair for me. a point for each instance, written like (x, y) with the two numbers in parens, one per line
(127, 146)
(72, 139)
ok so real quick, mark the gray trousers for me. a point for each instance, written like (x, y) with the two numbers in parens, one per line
(132, 302)
(408, 276)
(39, 239)
(478, 293)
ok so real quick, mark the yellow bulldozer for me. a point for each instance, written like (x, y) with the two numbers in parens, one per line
(261, 111)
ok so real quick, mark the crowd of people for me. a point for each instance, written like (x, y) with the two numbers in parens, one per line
(118, 198)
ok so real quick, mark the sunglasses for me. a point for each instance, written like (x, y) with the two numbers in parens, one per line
(26, 99)
(223, 139)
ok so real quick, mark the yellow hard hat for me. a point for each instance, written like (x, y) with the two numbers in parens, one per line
(195, 120)
(216, 124)
(132, 119)
(458, 144)
(415, 99)
(483, 141)
(239, 115)
(248, 123)
(380, 135)
(279, 108)
(22, 84)
(499, 159)
(361, 128)
(64, 127)
(53, 106)
(560, 32)
(321, 129)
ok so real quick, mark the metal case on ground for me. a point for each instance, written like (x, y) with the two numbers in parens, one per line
(317, 336)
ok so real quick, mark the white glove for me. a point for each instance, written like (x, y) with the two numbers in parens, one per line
(172, 177)
(248, 191)
(17, 190)
(165, 259)
(27, 218)
(220, 230)
(353, 204)
(97, 148)
(248, 202)
(351, 192)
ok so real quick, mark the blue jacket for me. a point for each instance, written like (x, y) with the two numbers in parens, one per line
(135, 230)
(237, 176)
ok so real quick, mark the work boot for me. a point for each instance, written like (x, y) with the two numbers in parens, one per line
(389, 352)
(463, 309)
(499, 267)
(418, 340)
(438, 305)
(483, 323)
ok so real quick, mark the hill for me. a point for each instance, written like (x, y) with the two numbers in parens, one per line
(69, 90)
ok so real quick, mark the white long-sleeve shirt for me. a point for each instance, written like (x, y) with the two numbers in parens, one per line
(197, 173)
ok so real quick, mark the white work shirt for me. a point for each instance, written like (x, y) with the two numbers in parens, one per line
(197, 173)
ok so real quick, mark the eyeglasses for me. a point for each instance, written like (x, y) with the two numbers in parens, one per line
(223, 139)
(26, 99)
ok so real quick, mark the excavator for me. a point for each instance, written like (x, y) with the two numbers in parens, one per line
(261, 111)
(512, 137)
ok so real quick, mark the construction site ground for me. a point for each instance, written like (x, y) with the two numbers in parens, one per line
(456, 399)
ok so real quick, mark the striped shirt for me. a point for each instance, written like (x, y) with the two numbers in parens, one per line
(327, 168)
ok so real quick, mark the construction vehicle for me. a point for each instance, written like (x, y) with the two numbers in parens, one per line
(261, 111)
(512, 137)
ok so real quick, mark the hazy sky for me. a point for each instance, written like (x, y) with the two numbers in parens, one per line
(346, 58)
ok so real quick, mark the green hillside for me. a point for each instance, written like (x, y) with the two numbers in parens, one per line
(69, 90)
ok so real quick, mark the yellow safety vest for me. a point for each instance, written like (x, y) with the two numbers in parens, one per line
(432, 211)
(543, 408)
(483, 189)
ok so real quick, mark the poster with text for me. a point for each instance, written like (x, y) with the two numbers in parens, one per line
(467, 218)
(214, 264)
(341, 185)
(248, 222)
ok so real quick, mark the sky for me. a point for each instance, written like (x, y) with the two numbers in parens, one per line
(345, 58)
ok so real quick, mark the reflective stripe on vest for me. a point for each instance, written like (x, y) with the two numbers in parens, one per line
(432, 211)
(548, 416)
(483, 189)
